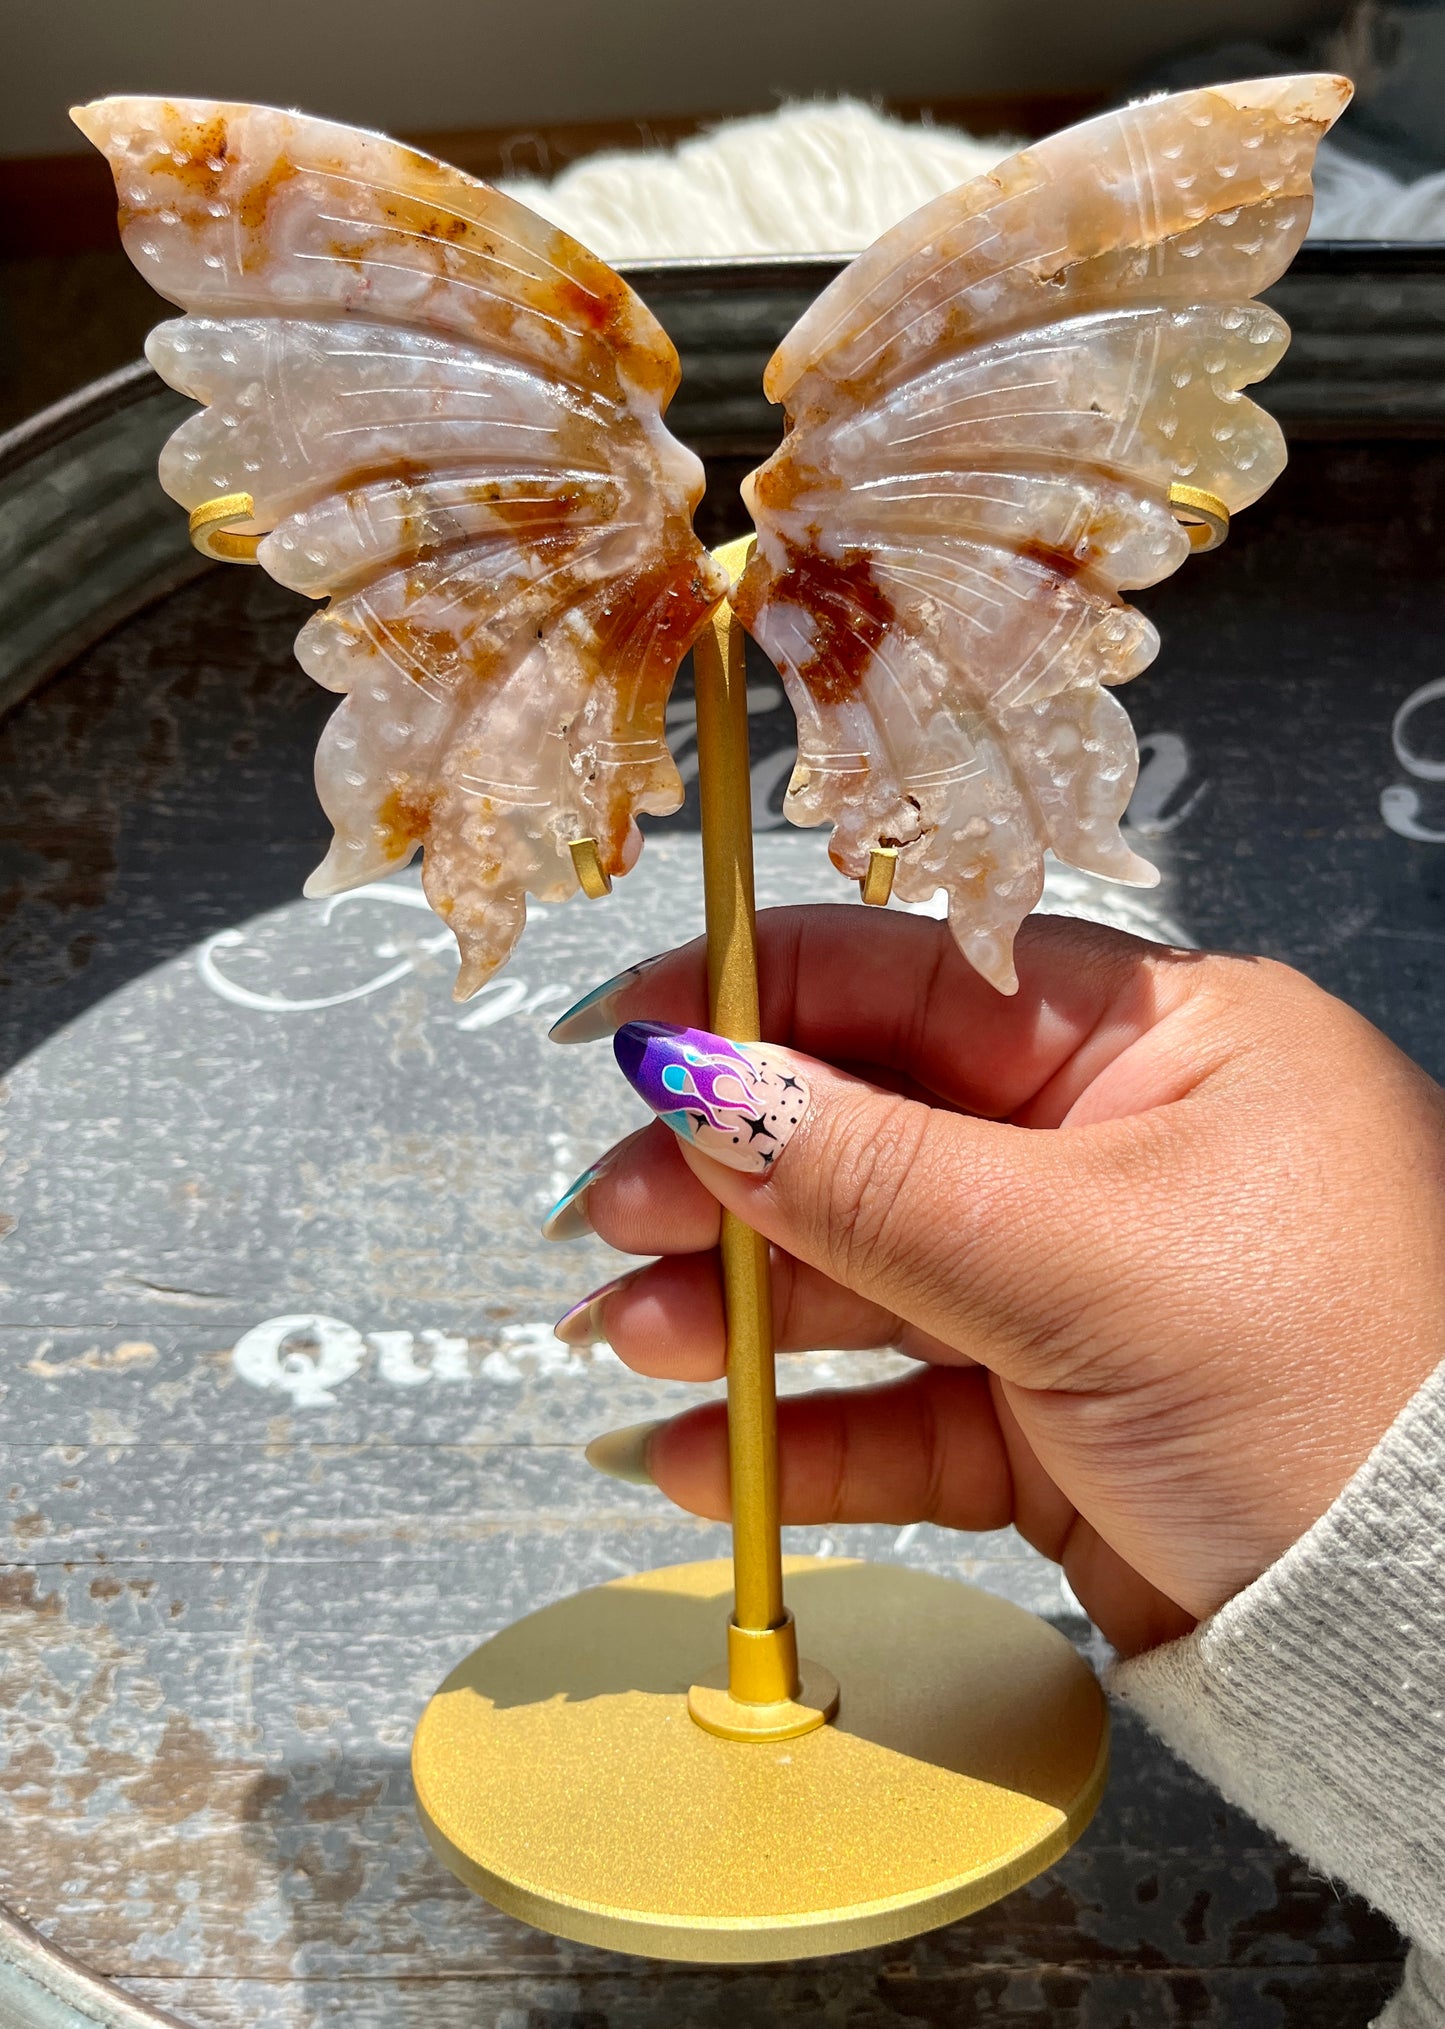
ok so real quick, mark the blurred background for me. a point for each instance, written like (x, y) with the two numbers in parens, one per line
(527, 88)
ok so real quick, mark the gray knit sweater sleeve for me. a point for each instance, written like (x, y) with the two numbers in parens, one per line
(1316, 1699)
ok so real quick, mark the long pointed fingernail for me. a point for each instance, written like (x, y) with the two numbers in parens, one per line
(582, 1324)
(622, 1454)
(568, 1218)
(737, 1102)
(595, 1015)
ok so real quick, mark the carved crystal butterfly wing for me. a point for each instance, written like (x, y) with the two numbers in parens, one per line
(448, 416)
(986, 413)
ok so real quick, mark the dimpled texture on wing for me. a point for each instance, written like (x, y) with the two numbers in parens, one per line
(986, 413)
(449, 416)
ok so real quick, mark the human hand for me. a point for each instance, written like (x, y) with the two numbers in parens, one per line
(1166, 1234)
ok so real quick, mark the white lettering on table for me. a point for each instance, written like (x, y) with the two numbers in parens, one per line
(305, 1356)
(396, 1357)
(308, 1357)
(498, 999)
(1161, 802)
(1163, 772)
(1399, 804)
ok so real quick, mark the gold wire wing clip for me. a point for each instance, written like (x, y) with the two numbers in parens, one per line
(877, 884)
(1203, 516)
(592, 877)
(213, 529)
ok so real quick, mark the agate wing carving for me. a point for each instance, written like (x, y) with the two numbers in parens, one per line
(448, 416)
(986, 413)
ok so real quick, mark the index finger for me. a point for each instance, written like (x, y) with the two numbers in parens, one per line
(890, 993)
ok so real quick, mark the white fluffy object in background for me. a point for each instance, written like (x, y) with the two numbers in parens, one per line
(809, 179)
(826, 178)
(1356, 201)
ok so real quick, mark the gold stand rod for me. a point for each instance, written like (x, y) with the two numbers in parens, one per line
(762, 1693)
(725, 790)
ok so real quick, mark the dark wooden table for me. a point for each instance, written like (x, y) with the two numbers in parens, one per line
(283, 1431)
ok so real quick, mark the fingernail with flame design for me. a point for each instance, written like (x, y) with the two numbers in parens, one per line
(737, 1102)
(595, 1015)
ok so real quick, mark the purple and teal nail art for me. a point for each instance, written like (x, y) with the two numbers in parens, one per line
(595, 1015)
(737, 1102)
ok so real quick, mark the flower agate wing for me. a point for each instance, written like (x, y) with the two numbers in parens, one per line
(987, 411)
(449, 417)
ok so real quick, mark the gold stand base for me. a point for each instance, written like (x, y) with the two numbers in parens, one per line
(712, 1705)
(559, 1774)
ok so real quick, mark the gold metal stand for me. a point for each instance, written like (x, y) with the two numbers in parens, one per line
(761, 1693)
(587, 1770)
(559, 1775)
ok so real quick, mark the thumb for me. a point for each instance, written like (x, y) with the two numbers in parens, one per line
(959, 1225)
